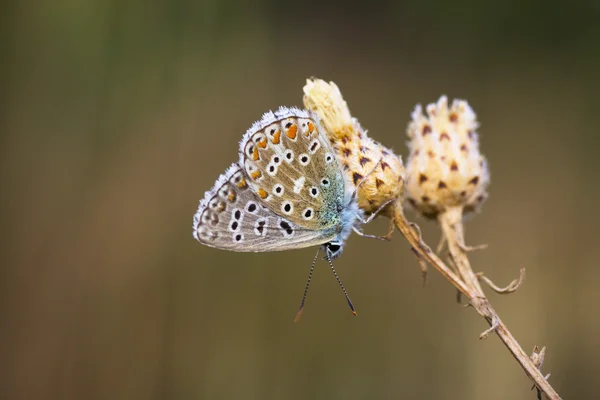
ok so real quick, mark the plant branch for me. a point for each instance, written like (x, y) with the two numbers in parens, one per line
(468, 284)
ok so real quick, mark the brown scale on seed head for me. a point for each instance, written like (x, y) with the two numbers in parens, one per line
(445, 168)
(366, 159)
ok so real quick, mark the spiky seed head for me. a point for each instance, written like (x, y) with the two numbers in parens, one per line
(445, 168)
(361, 157)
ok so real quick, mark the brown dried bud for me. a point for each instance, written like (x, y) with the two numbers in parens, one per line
(361, 157)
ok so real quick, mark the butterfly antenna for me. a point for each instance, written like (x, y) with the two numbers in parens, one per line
(341, 284)
(312, 267)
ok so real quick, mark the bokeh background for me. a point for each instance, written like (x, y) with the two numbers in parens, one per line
(117, 116)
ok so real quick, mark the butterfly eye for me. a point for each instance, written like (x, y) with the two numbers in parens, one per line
(334, 247)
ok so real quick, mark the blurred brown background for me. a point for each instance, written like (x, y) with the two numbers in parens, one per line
(117, 116)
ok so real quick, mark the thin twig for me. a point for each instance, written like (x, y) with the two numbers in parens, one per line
(472, 290)
(510, 288)
(422, 265)
(452, 229)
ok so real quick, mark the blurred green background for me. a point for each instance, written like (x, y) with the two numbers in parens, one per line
(116, 116)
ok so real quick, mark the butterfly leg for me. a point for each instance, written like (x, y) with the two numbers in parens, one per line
(373, 215)
(387, 236)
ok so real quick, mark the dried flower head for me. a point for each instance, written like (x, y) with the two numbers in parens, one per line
(445, 168)
(361, 157)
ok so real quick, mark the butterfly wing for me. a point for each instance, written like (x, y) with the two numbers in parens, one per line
(233, 217)
(292, 168)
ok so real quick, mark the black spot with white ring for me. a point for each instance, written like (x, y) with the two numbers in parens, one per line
(287, 207)
(272, 169)
(237, 214)
(286, 228)
(251, 207)
(308, 213)
(314, 146)
(328, 158)
(313, 191)
(278, 189)
(288, 155)
(303, 159)
(325, 182)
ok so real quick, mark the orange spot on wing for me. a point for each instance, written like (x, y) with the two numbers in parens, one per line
(242, 183)
(262, 144)
(231, 197)
(291, 132)
(262, 193)
(256, 174)
(255, 154)
(276, 136)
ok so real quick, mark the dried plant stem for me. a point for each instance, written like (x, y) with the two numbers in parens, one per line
(452, 230)
(468, 284)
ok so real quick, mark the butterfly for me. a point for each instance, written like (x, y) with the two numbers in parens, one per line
(287, 191)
